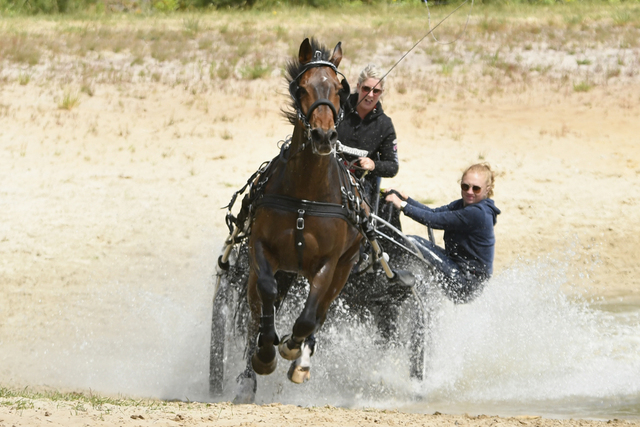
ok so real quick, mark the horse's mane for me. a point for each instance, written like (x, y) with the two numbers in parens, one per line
(293, 68)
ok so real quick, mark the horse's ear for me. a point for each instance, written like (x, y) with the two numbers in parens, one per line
(336, 57)
(305, 54)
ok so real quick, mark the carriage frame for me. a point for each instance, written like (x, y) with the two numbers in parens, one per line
(230, 309)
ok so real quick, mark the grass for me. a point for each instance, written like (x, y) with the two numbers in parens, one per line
(224, 36)
(22, 399)
(70, 99)
(503, 44)
(255, 71)
(583, 86)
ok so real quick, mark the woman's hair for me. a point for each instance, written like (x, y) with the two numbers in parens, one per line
(372, 71)
(484, 168)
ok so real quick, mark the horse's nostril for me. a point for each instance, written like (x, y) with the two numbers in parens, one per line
(332, 135)
(319, 135)
(316, 134)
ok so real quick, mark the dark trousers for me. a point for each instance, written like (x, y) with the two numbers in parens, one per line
(457, 282)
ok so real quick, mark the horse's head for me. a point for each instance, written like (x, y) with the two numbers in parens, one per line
(318, 91)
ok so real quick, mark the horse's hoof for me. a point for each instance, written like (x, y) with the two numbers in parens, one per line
(286, 352)
(247, 386)
(298, 374)
(261, 367)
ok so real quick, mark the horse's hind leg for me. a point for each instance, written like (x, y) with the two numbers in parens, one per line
(247, 386)
(262, 295)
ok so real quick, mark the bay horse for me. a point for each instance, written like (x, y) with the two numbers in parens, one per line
(306, 219)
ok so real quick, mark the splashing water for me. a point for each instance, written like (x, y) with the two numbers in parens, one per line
(524, 346)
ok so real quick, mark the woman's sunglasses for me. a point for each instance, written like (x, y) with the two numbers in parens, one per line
(466, 187)
(367, 89)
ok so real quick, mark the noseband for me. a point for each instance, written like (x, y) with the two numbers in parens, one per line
(293, 91)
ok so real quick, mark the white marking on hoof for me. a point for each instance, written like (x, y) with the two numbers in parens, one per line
(298, 374)
(300, 370)
(286, 352)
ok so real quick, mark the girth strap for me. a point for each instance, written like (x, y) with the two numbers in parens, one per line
(302, 208)
(291, 204)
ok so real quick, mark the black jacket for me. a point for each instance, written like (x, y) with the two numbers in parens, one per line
(468, 231)
(375, 133)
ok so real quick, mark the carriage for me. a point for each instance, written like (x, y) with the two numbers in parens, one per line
(299, 233)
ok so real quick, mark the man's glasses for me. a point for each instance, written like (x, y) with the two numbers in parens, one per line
(466, 187)
(367, 89)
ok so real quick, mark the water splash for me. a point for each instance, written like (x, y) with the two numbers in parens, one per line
(526, 345)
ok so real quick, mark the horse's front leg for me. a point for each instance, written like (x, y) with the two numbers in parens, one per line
(262, 294)
(307, 323)
(300, 369)
(324, 289)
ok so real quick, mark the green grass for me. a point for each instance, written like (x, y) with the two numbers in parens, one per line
(255, 71)
(583, 86)
(69, 100)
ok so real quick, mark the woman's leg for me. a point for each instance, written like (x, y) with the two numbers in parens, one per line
(459, 285)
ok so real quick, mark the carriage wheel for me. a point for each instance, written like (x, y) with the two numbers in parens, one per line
(221, 327)
(418, 343)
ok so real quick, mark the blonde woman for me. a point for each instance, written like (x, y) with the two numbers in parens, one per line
(466, 261)
(367, 127)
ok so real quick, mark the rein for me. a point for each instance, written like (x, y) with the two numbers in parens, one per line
(349, 210)
(419, 41)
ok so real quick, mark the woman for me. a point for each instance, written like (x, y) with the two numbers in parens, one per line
(366, 127)
(466, 262)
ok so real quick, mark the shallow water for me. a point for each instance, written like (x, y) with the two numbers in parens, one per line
(523, 347)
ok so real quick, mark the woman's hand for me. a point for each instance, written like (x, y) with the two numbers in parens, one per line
(366, 163)
(392, 196)
(394, 199)
(399, 193)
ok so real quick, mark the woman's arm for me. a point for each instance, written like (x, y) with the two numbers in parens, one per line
(443, 218)
(387, 165)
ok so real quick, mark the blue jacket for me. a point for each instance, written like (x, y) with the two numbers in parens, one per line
(468, 231)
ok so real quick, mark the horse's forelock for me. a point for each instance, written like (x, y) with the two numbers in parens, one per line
(294, 67)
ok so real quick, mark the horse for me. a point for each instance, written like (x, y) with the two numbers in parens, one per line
(305, 216)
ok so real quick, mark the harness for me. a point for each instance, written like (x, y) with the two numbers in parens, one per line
(349, 209)
(317, 61)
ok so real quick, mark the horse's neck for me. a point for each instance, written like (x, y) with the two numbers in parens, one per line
(310, 176)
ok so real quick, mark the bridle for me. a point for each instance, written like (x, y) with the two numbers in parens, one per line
(338, 115)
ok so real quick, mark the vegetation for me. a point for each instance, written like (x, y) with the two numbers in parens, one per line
(33, 7)
(22, 398)
(503, 42)
(515, 45)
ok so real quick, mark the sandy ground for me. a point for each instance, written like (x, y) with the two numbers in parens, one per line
(224, 414)
(127, 186)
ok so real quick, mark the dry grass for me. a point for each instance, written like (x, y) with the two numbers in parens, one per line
(500, 44)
